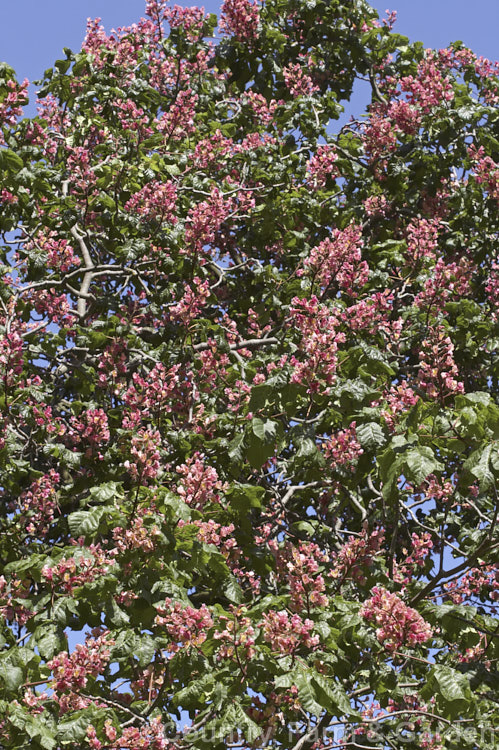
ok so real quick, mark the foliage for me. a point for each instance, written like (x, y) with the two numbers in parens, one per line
(249, 388)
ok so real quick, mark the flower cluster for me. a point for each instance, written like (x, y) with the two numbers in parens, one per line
(191, 303)
(438, 371)
(376, 205)
(60, 254)
(439, 490)
(298, 82)
(448, 280)
(492, 290)
(55, 306)
(480, 581)
(206, 218)
(145, 454)
(356, 555)
(338, 259)
(343, 448)
(398, 624)
(90, 426)
(136, 535)
(211, 532)
(299, 567)
(288, 634)
(414, 558)
(179, 120)
(189, 19)
(39, 503)
(149, 736)
(85, 566)
(422, 239)
(11, 106)
(6, 197)
(263, 110)
(71, 670)
(399, 399)
(11, 358)
(155, 392)
(200, 483)
(12, 594)
(237, 639)
(133, 118)
(322, 166)
(240, 18)
(186, 625)
(319, 343)
(156, 201)
(429, 88)
(485, 171)
(112, 365)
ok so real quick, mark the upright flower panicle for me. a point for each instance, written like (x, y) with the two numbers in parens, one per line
(398, 624)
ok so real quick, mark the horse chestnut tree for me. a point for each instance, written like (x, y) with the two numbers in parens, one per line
(248, 388)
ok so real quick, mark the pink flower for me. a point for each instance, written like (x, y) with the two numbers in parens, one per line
(39, 503)
(299, 568)
(145, 453)
(338, 260)
(287, 634)
(398, 624)
(321, 166)
(316, 359)
(200, 483)
(297, 82)
(438, 372)
(71, 671)
(343, 448)
(186, 625)
(240, 18)
(155, 201)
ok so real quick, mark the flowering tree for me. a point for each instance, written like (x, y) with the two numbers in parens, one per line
(249, 388)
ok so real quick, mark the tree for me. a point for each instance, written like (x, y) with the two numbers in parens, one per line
(249, 388)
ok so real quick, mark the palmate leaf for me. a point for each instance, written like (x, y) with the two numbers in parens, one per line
(86, 522)
(452, 691)
(420, 463)
(371, 436)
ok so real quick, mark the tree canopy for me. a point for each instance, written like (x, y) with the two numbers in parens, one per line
(248, 390)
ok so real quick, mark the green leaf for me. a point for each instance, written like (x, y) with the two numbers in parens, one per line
(31, 726)
(103, 493)
(244, 496)
(263, 438)
(479, 464)
(49, 641)
(236, 448)
(63, 608)
(73, 729)
(451, 688)
(421, 462)
(144, 649)
(10, 160)
(370, 435)
(233, 720)
(11, 676)
(86, 522)
(332, 696)
(233, 591)
(249, 728)
(266, 430)
(309, 692)
(196, 692)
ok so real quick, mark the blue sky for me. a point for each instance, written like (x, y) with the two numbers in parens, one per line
(33, 32)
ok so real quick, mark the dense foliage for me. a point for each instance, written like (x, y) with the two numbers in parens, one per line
(249, 388)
